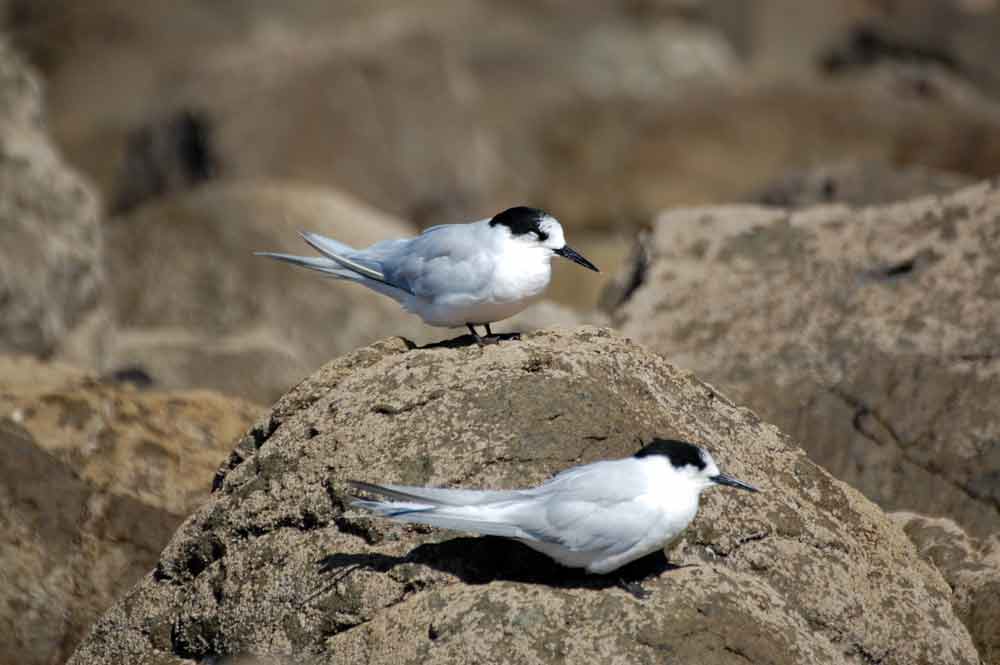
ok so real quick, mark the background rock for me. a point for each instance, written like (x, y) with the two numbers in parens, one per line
(604, 114)
(869, 335)
(808, 570)
(93, 480)
(50, 270)
(972, 570)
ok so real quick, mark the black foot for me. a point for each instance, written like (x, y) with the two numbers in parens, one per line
(635, 589)
(490, 338)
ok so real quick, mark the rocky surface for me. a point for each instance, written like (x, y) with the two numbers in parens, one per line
(273, 565)
(93, 480)
(972, 569)
(50, 270)
(869, 335)
(193, 307)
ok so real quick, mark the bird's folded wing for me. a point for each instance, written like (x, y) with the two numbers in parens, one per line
(584, 526)
(349, 259)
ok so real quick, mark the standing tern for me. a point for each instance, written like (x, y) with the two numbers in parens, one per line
(454, 274)
(598, 516)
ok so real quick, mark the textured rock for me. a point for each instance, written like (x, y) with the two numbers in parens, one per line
(50, 275)
(972, 570)
(193, 307)
(806, 571)
(93, 480)
(869, 335)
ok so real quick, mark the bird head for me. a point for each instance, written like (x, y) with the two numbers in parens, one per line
(694, 463)
(539, 228)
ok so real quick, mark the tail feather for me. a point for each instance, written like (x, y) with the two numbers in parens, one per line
(476, 511)
(436, 496)
(344, 262)
(318, 263)
(348, 258)
(445, 517)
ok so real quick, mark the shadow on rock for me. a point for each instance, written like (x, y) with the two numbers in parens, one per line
(463, 341)
(490, 559)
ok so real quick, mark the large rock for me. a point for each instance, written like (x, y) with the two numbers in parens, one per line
(193, 307)
(869, 335)
(93, 480)
(50, 273)
(806, 571)
(972, 570)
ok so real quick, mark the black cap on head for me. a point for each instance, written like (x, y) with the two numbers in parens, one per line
(680, 453)
(521, 220)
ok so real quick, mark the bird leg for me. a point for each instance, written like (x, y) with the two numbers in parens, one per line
(490, 338)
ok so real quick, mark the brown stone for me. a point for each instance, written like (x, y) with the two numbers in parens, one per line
(93, 480)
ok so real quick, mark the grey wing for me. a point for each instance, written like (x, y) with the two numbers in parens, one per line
(449, 261)
(592, 508)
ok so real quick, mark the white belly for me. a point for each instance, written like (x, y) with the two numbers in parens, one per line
(450, 315)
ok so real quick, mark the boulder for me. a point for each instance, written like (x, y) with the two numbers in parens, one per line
(93, 480)
(274, 565)
(50, 272)
(193, 307)
(869, 335)
(972, 569)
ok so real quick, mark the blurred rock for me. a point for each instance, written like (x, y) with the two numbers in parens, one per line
(170, 155)
(807, 570)
(856, 184)
(794, 38)
(50, 273)
(604, 114)
(93, 480)
(870, 335)
(972, 570)
(415, 110)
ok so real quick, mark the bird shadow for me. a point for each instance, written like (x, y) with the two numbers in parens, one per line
(464, 341)
(486, 559)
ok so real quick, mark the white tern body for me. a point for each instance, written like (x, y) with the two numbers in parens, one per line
(454, 274)
(599, 516)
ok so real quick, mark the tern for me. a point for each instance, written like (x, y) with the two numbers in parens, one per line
(598, 516)
(454, 274)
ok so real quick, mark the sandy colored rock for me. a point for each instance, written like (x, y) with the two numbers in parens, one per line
(806, 571)
(93, 480)
(869, 335)
(50, 272)
(972, 570)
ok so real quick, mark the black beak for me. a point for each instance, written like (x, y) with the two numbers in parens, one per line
(570, 253)
(723, 479)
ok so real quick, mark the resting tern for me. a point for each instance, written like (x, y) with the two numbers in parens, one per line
(598, 516)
